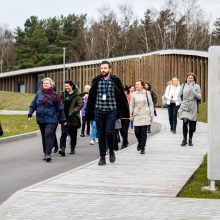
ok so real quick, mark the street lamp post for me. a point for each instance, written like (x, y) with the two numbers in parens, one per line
(64, 62)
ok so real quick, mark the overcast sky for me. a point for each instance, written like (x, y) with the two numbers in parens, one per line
(13, 13)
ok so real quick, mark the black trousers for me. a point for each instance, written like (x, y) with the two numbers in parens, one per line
(141, 135)
(172, 112)
(124, 131)
(48, 136)
(105, 123)
(72, 132)
(85, 124)
(192, 128)
(55, 142)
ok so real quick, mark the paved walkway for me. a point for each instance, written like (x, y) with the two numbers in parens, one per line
(135, 187)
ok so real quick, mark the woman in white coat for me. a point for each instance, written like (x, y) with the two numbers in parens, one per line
(172, 102)
(142, 113)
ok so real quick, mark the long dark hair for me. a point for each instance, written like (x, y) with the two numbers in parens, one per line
(190, 74)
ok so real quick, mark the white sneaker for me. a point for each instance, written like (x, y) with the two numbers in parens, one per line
(97, 140)
(92, 142)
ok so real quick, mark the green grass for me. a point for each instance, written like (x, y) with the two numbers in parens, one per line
(193, 189)
(17, 124)
(203, 112)
(15, 101)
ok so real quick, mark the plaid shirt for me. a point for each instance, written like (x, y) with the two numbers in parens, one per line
(106, 87)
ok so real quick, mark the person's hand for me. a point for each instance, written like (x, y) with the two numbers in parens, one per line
(29, 117)
(151, 118)
(132, 117)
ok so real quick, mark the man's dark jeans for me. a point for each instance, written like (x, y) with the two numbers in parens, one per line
(105, 122)
(72, 132)
(48, 136)
(172, 111)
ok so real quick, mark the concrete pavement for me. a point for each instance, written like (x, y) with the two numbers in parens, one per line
(134, 187)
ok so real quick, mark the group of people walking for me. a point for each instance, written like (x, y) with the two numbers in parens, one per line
(183, 100)
(104, 104)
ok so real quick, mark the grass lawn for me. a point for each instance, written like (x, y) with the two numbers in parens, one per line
(15, 101)
(17, 124)
(199, 179)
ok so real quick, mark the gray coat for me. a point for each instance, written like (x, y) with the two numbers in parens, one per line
(188, 96)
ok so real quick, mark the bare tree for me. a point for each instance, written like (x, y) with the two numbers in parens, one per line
(6, 49)
(127, 14)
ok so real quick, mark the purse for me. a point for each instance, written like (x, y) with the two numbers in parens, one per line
(1, 130)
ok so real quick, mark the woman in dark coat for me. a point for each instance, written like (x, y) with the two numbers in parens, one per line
(49, 110)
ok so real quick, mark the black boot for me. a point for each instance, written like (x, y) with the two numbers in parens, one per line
(102, 161)
(62, 152)
(190, 142)
(184, 142)
(142, 151)
(112, 157)
(72, 150)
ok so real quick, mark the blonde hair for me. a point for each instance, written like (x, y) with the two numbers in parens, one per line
(87, 88)
(171, 81)
(50, 80)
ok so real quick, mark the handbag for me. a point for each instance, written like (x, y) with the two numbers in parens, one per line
(1, 130)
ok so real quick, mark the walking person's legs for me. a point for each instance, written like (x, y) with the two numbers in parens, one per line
(185, 131)
(88, 128)
(93, 132)
(55, 143)
(83, 126)
(170, 113)
(110, 133)
(124, 132)
(100, 118)
(42, 130)
(72, 131)
(137, 132)
(49, 139)
(64, 134)
(143, 138)
(192, 128)
(175, 111)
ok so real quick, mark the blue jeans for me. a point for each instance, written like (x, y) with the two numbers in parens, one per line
(48, 136)
(94, 130)
(105, 121)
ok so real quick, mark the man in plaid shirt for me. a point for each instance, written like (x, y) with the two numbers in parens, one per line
(106, 103)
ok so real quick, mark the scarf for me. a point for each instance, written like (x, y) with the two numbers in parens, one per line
(49, 95)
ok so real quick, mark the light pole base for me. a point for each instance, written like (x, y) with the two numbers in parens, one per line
(210, 187)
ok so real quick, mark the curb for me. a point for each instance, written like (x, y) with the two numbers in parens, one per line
(19, 136)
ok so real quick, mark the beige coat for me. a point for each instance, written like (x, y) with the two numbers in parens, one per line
(139, 108)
